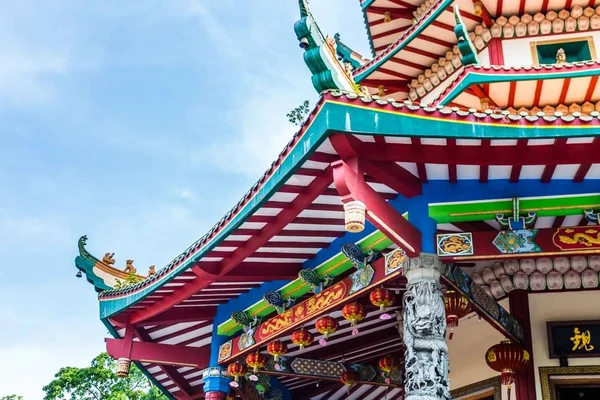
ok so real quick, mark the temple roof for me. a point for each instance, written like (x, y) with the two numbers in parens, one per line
(526, 86)
(292, 218)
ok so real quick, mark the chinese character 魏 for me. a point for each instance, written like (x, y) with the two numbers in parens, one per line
(581, 340)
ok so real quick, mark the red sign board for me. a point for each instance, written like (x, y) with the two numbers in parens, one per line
(305, 310)
(577, 238)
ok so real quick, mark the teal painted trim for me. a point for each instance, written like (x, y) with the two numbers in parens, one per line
(87, 267)
(365, 5)
(357, 118)
(362, 119)
(495, 76)
(115, 335)
(420, 28)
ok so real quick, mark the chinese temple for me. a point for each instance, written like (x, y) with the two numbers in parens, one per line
(431, 232)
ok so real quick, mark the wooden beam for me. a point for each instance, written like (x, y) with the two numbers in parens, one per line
(162, 354)
(393, 176)
(350, 183)
(180, 315)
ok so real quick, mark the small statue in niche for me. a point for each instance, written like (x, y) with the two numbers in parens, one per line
(152, 270)
(129, 268)
(381, 91)
(108, 258)
(561, 57)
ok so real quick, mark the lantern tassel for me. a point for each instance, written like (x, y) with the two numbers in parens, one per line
(451, 335)
(508, 391)
(354, 332)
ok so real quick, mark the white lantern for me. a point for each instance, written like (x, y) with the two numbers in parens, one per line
(354, 214)
(123, 365)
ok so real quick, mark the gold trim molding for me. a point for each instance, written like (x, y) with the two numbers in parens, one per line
(547, 372)
(492, 383)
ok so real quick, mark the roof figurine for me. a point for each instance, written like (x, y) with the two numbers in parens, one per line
(320, 55)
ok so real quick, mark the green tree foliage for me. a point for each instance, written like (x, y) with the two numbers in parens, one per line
(298, 115)
(100, 382)
(11, 397)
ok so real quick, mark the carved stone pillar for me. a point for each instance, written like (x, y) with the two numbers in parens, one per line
(426, 361)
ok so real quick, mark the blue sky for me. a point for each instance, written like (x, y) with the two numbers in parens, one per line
(138, 123)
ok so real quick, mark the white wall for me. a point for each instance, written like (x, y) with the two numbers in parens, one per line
(561, 306)
(517, 52)
(467, 351)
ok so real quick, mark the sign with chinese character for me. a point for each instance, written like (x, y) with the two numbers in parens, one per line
(574, 339)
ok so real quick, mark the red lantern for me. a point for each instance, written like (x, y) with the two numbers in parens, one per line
(382, 298)
(302, 338)
(507, 358)
(326, 326)
(353, 312)
(349, 378)
(276, 348)
(387, 364)
(457, 306)
(237, 370)
(255, 361)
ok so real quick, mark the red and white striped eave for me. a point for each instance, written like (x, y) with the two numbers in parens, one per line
(322, 222)
(424, 50)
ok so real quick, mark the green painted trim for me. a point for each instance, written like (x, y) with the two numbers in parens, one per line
(115, 335)
(494, 76)
(357, 117)
(486, 210)
(441, 7)
(333, 267)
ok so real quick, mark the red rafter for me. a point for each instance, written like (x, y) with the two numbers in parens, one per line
(393, 176)
(161, 353)
(177, 315)
(585, 167)
(564, 90)
(452, 174)
(484, 169)
(418, 148)
(591, 88)
(559, 146)
(312, 191)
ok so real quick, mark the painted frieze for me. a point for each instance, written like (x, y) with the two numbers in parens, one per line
(455, 244)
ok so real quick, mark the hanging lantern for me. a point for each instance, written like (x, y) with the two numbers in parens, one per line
(353, 312)
(382, 298)
(276, 348)
(302, 338)
(457, 306)
(255, 361)
(123, 365)
(349, 378)
(237, 370)
(326, 326)
(507, 358)
(387, 364)
(354, 215)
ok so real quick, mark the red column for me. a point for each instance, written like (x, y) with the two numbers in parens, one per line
(496, 52)
(215, 396)
(519, 308)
